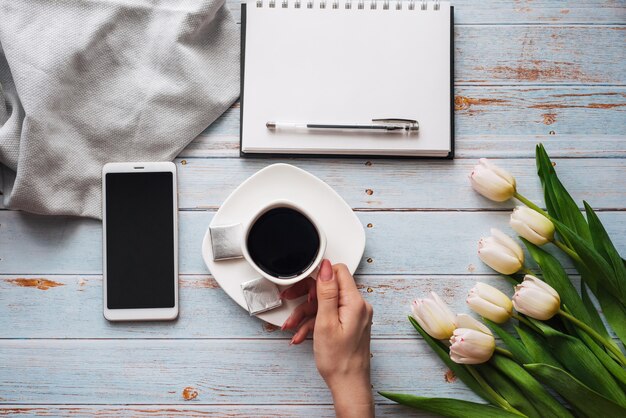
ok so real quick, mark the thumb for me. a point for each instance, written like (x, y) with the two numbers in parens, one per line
(327, 293)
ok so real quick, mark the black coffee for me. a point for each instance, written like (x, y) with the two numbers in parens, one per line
(283, 242)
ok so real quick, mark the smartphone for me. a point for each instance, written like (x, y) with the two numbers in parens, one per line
(140, 241)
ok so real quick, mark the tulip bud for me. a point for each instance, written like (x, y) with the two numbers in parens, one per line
(490, 303)
(472, 342)
(492, 182)
(434, 316)
(500, 252)
(532, 225)
(536, 298)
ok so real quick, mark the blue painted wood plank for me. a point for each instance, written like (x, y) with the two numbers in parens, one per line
(498, 121)
(496, 12)
(222, 371)
(388, 184)
(397, 243)
(196, 410)
(75, 302)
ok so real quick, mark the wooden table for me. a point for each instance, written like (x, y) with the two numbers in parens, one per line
(526, 72)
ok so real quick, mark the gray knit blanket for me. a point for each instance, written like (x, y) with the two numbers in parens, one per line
(86, 82)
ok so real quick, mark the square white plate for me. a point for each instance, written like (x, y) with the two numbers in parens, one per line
(344, 232)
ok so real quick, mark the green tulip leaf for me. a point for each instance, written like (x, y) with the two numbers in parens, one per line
(447, 407)
(604, 246)
(581, 362)
(554, 274)
(559, 202)
(536, 346)
(536, 393)
(575, 392)
(614, 312)
(508, 390)
(514, 345)
(595, 320)
(458, 369)
(593, 261)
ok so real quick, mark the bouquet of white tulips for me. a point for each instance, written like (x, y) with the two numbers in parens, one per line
(558, 359)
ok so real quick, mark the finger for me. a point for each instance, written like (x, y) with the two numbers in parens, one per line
(312, 291)
(327, 294)
(299, 289)
(303, 310)
(307, 327)
(344, 279)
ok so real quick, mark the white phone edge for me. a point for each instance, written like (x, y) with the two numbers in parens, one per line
(151, 314)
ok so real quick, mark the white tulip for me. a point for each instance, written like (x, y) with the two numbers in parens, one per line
(472, 342)
(536, 299)
(532, 225)
(500, 252)
(466, 321)
(492, 182)
(434, 316)
(490, 303)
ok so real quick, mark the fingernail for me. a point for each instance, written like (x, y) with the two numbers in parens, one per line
(326, 271)
(291, 342)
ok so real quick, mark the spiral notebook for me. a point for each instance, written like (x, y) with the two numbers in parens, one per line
(345, 63)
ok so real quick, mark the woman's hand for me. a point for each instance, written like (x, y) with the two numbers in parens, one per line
(341, 336)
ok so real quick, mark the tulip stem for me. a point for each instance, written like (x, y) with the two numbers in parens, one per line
(567, 250)
(504, 352)
(525, 321)
(593, 334)
(527, 271)
(531, 205)
(495, 396)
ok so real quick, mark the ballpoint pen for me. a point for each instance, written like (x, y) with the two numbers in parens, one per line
(391, 125)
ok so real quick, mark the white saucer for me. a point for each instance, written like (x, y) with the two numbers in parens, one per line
(344, 232)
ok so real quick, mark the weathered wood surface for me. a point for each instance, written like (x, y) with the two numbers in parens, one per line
(498, 12)
(398, 242)
(503, 121)
(197, 410)
(527, 71)
(223, 371)
(72, 300)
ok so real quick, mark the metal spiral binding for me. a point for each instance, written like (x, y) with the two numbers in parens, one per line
(347, 4)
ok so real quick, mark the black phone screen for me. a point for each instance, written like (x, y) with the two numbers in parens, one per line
(140, 240)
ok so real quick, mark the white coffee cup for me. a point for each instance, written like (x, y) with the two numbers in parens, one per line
(316, 261)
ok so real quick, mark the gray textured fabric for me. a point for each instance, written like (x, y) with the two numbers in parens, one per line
(86, 82)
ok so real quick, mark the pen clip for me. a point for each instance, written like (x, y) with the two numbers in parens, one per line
(411, 124)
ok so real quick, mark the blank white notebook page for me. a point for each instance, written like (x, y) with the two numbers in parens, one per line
(338, 66)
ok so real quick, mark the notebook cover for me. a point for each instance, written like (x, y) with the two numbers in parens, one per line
(292, 155)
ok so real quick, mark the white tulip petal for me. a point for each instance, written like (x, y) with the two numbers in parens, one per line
(488, 310)
(493, 295)
(499, 261)
(508, 242)
(541, 284)
(527, 232)
(501, 172)
(466, 321)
